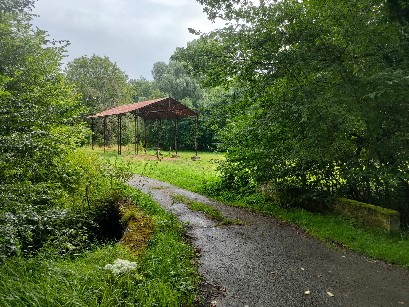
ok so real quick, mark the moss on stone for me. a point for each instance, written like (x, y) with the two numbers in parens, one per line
(138, 227)
(368, 214)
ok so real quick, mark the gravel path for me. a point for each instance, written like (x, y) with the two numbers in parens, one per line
(266, 262)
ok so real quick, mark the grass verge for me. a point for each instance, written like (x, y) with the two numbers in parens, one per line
(209, 211)
(165, 274)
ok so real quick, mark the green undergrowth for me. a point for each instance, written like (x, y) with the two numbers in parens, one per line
(209, 211)
(164, 275)
(333, 229)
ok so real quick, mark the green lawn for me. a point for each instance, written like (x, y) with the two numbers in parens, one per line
(181, 171)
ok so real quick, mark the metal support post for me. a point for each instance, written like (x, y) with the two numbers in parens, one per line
(105, 133)
(196, 131)
(176, 135)
(136, 133)
(119, 134)
(144, 134)
(92, 133)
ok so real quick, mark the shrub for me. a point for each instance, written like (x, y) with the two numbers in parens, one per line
(75, 208)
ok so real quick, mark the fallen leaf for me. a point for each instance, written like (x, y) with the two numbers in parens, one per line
(330, 294)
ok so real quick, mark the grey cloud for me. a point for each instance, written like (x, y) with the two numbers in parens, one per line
(134, 34)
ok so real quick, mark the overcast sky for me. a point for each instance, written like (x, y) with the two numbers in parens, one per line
(133, 33)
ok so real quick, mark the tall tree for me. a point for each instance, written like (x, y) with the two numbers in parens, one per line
(325, 86)
(39, 110)
(174, 80)
(39, 125)
(143, 89)
(102, 85)
(101, 82)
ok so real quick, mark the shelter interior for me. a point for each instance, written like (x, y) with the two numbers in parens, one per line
(156, 109)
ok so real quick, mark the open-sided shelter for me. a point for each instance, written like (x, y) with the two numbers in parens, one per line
(156, 109)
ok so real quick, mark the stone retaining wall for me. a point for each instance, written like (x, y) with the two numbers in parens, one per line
(368, 214)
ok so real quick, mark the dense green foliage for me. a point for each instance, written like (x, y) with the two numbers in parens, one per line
(39, 128)
(324, 89)
(72, 211)
(143, 89)
(50, 193)
(174, 80)
(164, 274)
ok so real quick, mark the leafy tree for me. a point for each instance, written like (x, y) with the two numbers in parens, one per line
(102, 85)
(174, 80)
(101, 82)
(39, 125)
(16, 6)
(144, 89)
(218, 107)
(37, 105)
(324, 88)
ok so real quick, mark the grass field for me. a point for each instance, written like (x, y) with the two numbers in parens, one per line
(181, 171)
(340, 232)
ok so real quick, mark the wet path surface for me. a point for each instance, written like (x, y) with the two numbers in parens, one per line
(266, 262)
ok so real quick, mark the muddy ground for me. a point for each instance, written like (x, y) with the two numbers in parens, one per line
(266, 262)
